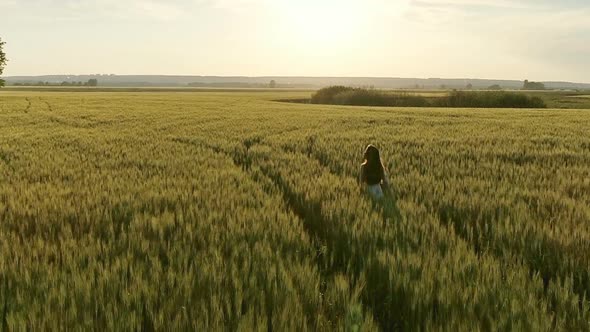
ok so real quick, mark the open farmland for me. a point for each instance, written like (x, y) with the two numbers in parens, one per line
(230, 211)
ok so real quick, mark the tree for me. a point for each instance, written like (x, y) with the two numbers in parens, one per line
(92, 82)
(495, 87)
(3, 61)
(528, 85)
(273, 84)
(469, 86)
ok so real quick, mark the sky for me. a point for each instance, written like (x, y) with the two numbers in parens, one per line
(501, 39)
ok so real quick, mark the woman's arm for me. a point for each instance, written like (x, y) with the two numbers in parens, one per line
(361, 178)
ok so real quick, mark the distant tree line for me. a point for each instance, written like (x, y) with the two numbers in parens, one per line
(247, 85)
(528, 85)
(90, 82)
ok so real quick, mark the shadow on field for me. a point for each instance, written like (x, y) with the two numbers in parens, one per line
(388, 206)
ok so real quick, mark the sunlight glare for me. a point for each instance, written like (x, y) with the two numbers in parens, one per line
(324, 22)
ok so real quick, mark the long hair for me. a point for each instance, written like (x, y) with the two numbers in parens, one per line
(374, 170)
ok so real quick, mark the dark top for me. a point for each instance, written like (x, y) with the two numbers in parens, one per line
(371, 177)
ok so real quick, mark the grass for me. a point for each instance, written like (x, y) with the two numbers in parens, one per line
(564, 99)
(228, 211)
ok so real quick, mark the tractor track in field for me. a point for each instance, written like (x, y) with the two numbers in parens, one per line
(448, 216)
(292, 201)
(244, 163)
(336, 260)
(6, 158)
(28, 107)
(329, 261)
(49, 106)
(444, 219)
(311, 216)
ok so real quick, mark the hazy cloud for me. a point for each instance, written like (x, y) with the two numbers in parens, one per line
(84, 9)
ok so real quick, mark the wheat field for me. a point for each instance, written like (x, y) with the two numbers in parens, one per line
(232, 211)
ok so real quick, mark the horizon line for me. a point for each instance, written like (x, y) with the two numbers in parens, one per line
(301, 76)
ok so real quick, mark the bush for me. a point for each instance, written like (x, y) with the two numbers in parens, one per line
(326, 95)
(490, 99)
(361, 97)
(341, 95)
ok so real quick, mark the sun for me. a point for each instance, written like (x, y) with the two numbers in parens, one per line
(324, 22)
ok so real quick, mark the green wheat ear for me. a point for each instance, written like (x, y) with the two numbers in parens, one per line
(354, 318)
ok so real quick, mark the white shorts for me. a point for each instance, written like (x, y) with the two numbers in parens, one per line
(375, 191)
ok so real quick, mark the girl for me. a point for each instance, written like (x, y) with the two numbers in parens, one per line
(373, 174)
